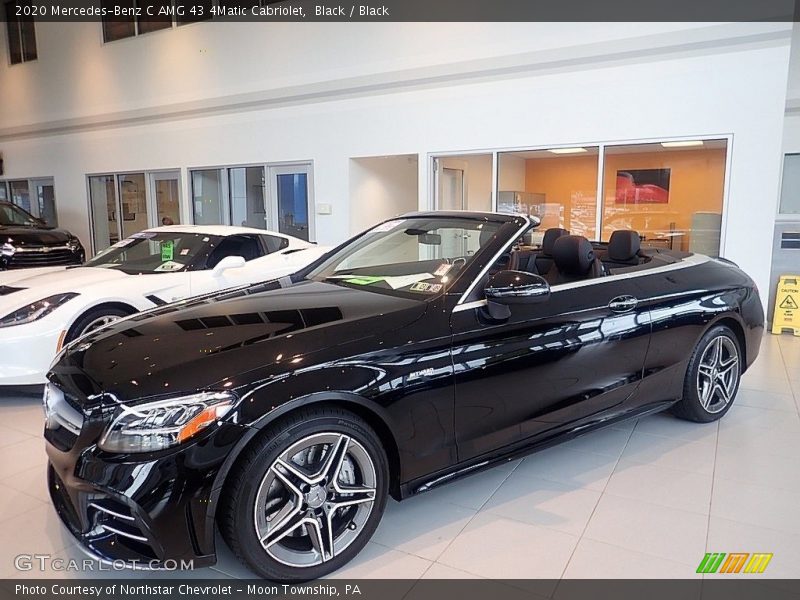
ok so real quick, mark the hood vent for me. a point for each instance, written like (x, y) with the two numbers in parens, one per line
(5, 290)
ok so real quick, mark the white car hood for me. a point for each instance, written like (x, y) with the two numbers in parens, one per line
(16, 275)
(56, 281)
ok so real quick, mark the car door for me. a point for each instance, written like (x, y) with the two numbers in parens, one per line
(550, 364)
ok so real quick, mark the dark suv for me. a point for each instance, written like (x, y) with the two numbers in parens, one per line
(26, 241)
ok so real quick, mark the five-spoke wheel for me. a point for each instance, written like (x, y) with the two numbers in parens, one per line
(712, 377)
(307, 496)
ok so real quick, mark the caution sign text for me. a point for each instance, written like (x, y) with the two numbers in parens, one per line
(787, 305)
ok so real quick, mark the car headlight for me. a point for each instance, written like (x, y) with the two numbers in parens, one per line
(74, 244)
(7, 249)
(165, 423)
(36, 310)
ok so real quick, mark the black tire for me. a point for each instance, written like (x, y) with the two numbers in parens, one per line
(238, 519)
(692, 406)
(86, 319)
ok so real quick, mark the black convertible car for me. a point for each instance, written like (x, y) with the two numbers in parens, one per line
(429, 347)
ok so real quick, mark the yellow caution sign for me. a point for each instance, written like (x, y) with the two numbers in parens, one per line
(787, 305)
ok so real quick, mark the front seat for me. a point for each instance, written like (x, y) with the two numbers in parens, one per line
(539, 263)
(623, 249)
(574, 260)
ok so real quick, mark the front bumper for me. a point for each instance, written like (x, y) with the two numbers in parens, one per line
(28, 351)
(150, 513)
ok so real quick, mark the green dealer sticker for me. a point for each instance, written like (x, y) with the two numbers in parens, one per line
(167, 250)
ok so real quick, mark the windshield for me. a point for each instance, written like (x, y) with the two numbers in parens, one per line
(10, 214)
(151, 252)
(414, 257)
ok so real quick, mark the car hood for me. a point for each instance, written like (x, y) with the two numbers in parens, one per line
(33, 235)
(48, 282)
(229, 339)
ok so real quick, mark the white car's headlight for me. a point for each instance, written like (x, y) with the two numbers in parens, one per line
(36, 310)
(159, 425)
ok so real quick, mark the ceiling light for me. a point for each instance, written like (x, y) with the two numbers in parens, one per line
(684, 144)
(568, 150)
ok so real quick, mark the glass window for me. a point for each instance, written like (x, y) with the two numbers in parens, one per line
(790, 186)
(20, 194)
(21, 33)
(146, 23)
(464, 182)
(103, 199)
(117, 27)
(207, 200)
(46, 201)
(671, 193)
(247, 197)
(166, 187)
(274, 243)
(133, 203)
(292, 189)
(559, 186)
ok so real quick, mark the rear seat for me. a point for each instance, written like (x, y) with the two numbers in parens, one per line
(624, 250)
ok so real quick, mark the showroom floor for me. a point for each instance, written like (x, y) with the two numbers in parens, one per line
(644, 499)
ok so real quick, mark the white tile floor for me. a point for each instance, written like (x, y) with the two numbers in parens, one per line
(644, 499)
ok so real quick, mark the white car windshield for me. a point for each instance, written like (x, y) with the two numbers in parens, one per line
(413, 257)
(151, 252)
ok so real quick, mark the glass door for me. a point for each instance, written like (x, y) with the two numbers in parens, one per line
(165, 190)
(291, 198)
(247, 202)
(103, 199)
(45, 205)
(133, 203)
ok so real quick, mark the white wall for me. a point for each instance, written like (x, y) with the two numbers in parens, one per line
(692, 81)
(381, 188)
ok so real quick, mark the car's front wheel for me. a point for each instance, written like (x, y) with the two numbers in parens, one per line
(94, 319)
(307, 496)
(712, 378)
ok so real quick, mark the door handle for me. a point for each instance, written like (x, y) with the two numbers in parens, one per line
(623, 303)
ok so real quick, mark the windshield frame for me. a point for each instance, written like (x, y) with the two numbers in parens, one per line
(33, 222)
(197, 261)
(510, 227)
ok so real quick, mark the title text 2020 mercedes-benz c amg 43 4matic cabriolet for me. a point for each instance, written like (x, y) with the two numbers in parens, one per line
(429, 347)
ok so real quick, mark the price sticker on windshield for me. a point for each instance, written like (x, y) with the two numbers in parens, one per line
(167, 250)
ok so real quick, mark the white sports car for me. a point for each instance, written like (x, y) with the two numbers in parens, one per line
(41, 310)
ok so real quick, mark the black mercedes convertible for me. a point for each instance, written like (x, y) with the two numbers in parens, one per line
(426, 348)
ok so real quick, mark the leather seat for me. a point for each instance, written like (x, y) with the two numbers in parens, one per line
(574, 260)
(538, 262)
(623, 249)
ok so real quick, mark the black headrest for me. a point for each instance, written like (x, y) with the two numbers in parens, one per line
(624, 245)
(573, 255)
(550, 237)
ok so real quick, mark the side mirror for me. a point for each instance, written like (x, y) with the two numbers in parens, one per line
(229, 262)
(516, 287)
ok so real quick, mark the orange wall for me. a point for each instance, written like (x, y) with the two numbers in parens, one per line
(561, 179)
(696, 184)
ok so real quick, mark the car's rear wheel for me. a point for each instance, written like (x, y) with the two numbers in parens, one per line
(712, 378)
(94, 319)
(307, 496)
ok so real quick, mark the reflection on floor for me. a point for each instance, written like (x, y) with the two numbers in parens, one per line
(644, 499)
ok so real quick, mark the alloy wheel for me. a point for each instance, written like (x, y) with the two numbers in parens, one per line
(718, 374)
(315, 499)
(99, 323)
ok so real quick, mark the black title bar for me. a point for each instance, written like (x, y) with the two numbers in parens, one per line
(406, 10)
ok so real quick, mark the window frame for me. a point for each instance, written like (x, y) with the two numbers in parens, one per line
(18, 23)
